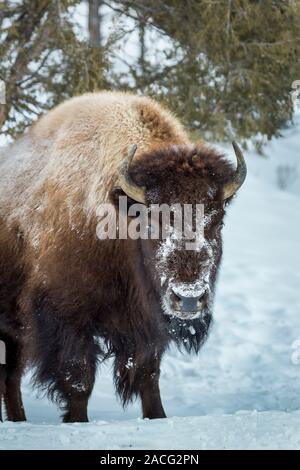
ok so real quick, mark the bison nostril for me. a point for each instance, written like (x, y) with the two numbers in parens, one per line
(176, 300)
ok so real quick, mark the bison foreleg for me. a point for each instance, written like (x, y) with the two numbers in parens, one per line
(75, 384)
(66, 357)
(72, 382)
(139, 376)
(68, 375)
(150, 395)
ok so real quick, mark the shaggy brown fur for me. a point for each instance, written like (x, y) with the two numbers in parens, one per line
(188, 163)
(61, 289)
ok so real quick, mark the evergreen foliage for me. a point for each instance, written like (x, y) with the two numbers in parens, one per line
(227, 70)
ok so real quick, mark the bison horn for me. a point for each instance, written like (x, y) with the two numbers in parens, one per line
(132, 190)
(239, 177)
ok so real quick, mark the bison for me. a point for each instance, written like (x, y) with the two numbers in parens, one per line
(69, 300)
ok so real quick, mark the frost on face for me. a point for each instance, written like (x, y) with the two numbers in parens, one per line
(191, 289)
(174, 242)
(166, 248)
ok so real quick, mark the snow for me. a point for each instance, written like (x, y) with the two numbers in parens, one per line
(243, 390)
(242, 430)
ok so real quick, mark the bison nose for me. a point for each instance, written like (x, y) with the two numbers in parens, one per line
(186, 303)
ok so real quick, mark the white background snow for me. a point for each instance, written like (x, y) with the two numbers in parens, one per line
(243, 389)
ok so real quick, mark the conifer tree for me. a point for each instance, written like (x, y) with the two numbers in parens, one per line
(227, 71)
(42, 60)
(233, 62)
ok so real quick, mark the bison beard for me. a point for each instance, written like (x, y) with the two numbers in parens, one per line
(68, 300)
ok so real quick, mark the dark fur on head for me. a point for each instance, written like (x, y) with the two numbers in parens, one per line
(170, 164)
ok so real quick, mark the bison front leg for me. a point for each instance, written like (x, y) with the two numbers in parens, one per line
(70, 383)
(150, 395)
(75, 384)
(139, 376)
(66, 357)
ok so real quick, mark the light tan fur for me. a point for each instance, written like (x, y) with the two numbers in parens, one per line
(69, 160)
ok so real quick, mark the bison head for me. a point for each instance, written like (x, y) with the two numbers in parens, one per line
(195, 177)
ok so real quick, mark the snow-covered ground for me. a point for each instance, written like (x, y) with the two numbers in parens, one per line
(243, 389)
(242, 430)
